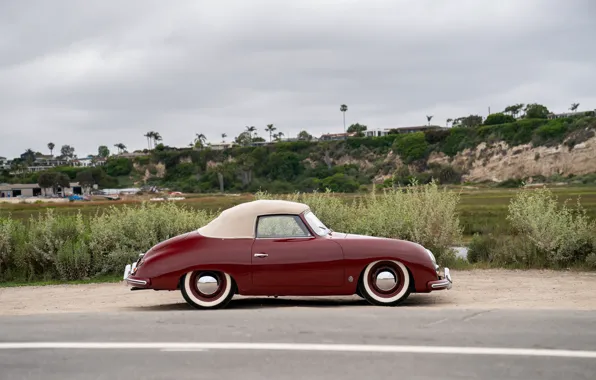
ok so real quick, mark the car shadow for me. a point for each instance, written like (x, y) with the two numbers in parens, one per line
(239, 303)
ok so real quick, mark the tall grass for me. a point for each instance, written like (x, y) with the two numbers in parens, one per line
(424, 214)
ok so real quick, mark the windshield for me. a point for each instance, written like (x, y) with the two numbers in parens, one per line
(317, 226)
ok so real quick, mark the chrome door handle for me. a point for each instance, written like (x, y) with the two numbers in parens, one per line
(261, 255)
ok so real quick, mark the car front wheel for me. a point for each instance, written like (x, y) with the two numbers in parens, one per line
(385, 283)
(207, 289)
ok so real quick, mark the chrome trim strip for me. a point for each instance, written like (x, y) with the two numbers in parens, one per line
(442, 285)
(133, 281)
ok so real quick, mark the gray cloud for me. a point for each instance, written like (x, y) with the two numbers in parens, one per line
(96, 73)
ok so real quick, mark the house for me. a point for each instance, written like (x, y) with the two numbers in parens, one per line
(419, 128)
(222, 145)
(33, 190)
(336, 136)
(377, 132)
(570, 114)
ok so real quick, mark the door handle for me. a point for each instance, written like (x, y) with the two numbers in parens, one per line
(261, 255)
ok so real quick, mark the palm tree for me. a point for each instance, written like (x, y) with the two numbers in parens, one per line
(250, 130)
(156, 137)
(573, 107)
(200, 140)
(278, 136)
(270, 128)
(51, 147)
(223, 137)
(149, 136)
(343, 108)
(429, 118)
(449, 121)
(121, 147)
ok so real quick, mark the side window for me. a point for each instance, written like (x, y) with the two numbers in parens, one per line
(281, 226)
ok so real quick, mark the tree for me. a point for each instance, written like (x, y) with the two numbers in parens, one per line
(536, 111)
(573, 107)
(51, 147)
(121, 147)
(344, 108)
(45, 181)
(61, 181)
(149, 136)
(103, 151)
(223, 137)
(270, 128)
(303, 135)
(219, 169)
(244, 138)
(67, 151)
(28, 157)
(358, 129)
(468, 121)
(200, 140)
(156, 137)
(429, 118)
(514, 110)
(250, 131)
(86, 180)
(498, 118)
(278, 136)
(448, 121)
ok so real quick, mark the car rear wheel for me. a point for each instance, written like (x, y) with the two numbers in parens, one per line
(385, 283)
(207, 289)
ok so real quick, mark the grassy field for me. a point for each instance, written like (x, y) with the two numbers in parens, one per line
(481, 210)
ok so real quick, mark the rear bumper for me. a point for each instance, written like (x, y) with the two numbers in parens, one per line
(444, 282)
(131, 279)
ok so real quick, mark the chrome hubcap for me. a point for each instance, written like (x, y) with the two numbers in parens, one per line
(207, 284)
(385, 280)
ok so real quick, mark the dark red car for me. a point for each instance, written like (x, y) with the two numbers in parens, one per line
(280, 248)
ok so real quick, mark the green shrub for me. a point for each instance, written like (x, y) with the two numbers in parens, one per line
(498, 118)
(564, 235)
(411, 146)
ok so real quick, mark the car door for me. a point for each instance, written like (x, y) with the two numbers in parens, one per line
(285, 254)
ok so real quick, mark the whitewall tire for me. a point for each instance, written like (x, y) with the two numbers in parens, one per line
(385, 283)
(207, 289)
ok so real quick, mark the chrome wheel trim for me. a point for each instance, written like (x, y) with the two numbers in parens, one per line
(386, 280)
(207, 285)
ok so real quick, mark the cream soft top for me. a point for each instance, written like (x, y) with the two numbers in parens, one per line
(239, 222)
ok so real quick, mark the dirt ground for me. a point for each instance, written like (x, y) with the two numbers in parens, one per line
(477, 289)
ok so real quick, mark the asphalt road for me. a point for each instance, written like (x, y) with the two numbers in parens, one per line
(291, 340)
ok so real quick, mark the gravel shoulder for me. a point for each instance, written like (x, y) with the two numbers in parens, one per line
(476, 289)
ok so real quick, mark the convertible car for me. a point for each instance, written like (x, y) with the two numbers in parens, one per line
(280, 248)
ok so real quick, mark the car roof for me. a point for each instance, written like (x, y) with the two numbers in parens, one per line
(239, 222)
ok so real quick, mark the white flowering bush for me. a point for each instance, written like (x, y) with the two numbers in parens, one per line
(562, 234)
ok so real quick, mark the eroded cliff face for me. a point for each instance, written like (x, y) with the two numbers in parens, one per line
(500, 162)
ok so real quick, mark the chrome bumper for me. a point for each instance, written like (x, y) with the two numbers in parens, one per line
(445, 283)
(129, 270)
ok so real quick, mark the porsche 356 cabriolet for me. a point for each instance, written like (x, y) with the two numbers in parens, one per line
(281, 248)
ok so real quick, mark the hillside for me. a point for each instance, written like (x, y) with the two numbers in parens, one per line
(558, 150)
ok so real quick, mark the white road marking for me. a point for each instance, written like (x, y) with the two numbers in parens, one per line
(181, 346)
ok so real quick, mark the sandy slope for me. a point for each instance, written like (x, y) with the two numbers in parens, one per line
(484, 289)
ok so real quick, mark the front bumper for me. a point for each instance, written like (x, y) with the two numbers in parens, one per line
(444, 282)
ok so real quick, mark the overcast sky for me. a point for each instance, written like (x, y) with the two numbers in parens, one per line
(88, 73)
